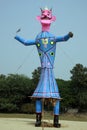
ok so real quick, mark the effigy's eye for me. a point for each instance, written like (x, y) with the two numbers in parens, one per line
(48, 13)
(43, 12)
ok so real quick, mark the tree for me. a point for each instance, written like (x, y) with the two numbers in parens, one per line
(65, 93)
(14, 91)
(36, 73)
(79, 86)
(36, 76)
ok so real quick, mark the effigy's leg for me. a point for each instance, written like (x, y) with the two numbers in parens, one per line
(56, 114)
(38, 112)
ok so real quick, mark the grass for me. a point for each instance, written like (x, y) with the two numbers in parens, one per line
(67, 116)
(13, 115)
(74, 117)
(48, 115)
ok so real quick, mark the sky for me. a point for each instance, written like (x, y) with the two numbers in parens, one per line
(17, 58)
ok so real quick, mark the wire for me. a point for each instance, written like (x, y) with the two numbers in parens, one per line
(25, 59)
(67, 55)
(43, 113)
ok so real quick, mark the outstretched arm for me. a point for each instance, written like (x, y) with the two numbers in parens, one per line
(25, 42)
(64, 38)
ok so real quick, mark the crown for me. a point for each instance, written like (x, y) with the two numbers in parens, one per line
(46, 8)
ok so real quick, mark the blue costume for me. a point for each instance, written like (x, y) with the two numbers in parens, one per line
(47, 86)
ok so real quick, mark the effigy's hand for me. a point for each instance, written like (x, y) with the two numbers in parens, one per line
(18, 30)
(71, 34)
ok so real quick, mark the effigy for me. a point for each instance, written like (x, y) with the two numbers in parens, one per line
(47, 87)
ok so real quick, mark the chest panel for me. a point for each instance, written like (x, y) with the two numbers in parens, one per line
(45, 44)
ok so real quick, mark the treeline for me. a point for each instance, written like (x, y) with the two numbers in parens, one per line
(15, 91)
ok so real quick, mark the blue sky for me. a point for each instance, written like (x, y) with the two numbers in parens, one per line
(70, 16)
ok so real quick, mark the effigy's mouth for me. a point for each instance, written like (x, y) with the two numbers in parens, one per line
(45, 21)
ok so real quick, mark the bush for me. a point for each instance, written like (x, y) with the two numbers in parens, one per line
(28, 108)
(8, 107)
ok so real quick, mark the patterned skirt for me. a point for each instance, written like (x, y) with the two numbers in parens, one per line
(47, 86)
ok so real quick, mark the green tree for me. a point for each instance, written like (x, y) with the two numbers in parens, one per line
(36, 74)
(65, 93)
(14, 91)
(79, 86)
(35, 77)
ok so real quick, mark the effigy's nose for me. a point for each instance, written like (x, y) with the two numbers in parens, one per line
(45, 14)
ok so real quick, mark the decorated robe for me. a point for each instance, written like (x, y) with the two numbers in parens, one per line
(46, 46)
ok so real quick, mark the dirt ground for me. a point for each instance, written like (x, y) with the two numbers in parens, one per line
(28, 124)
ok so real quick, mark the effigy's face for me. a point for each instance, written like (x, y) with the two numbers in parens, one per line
(46, 17)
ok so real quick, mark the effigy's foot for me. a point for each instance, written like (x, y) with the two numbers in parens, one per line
(56, 121)
(38, 119)
(58, 125)
(38, 124)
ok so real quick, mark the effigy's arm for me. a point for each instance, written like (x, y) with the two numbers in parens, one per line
(25, 42)
(64, 38)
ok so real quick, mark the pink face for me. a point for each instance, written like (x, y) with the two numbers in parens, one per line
(46, 14)
(46, 17)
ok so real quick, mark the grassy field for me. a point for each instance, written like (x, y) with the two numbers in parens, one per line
(48, 115)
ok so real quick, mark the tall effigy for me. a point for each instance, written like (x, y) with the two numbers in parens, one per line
(47, 87)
